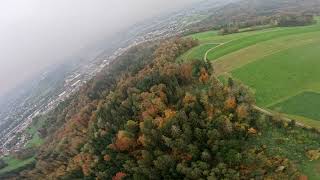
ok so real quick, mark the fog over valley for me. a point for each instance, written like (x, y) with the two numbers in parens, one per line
(35, 34)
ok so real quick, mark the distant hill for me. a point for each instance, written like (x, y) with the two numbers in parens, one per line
(245, 10)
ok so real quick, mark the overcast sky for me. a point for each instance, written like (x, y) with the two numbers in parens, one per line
(37, 33)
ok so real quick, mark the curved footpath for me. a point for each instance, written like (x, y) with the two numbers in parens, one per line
(261, 110)
(268, 113)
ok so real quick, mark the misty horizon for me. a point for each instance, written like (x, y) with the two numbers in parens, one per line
(35, 34)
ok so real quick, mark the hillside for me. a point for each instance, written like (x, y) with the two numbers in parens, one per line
(169, 120)
(239, 101)
(248, 12)
(277, 63)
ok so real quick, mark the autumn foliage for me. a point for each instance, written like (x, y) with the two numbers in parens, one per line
(230, 103)
(119, 176)
(204, 76)
(242, 111)
(123, 142)
(162, 120)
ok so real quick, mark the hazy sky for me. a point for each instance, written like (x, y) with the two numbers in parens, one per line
(37, 33)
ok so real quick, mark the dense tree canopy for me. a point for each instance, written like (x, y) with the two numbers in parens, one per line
(295, 19)
(162, 121)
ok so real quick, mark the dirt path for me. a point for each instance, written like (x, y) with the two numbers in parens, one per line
(268, 113)
(190, 51)
(261, 110)
(206, 54)
(221, 44)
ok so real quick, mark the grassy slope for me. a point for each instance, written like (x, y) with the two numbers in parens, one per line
(244, 48)
(240, 43)
(258, 51)
(14, 164)
(292, 144)
(237, 41)
(283, 74)
(213, 37)
(310, 101)
(294, 46)
(33, 130)
(210, 37)
(204, 35)
(197, 52)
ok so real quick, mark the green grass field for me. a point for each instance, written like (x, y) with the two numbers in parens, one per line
(291, 143)
(14, 164)
(214, 37)
(260, 50)
(202, 37)
(279, 77)
(242, 42)
(282, 67)
(210, 39)
(35, 141)
(197, 52)
(310, 101)
(276, 63)
(33, 131)
(283, 74)
(238, 41)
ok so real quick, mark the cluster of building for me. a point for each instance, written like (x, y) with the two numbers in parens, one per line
(15, 136)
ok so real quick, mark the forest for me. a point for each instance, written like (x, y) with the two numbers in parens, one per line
(161, 120)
